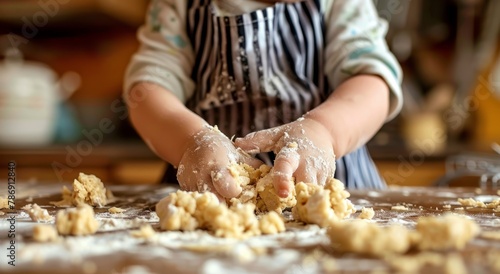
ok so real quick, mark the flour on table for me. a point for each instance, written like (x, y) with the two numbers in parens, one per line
(87, 189)
(45, 233)
(366, 213)
(76, 221)
(37, 213)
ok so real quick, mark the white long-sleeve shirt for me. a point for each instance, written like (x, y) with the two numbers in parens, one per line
(354, 44)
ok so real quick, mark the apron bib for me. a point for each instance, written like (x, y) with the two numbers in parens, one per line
(264, 69)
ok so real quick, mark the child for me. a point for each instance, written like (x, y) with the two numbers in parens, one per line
(311, 81)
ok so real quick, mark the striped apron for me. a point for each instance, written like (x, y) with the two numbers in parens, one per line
(264, 69)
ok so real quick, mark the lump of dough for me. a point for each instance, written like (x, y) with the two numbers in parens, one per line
(76, 221)
(176, 211)
(144, 232)
(37, 213)
(188, 211)
(4, 203)
(450, 231)
(322, 205)
(257, 188)
(271, 223)
(363, 237)
(366, 213)
(87, 189)
(44, 233)
(432, 233)
(116, 210)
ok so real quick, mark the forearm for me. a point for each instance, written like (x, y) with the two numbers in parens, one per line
(354, 112)
(162, 120)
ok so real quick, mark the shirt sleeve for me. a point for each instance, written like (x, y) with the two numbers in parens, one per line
(165, 56)
(355, 44)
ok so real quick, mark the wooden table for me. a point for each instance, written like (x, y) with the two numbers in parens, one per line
(301, 249)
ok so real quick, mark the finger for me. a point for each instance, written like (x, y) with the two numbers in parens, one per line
(225, 184)
(285, 165)
(260, 141)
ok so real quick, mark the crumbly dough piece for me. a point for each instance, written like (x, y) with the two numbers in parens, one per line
(366, 213)
(188, 211)
(431, 234)
(37, 213)
(257, 188)
(45, 233)
(400, 208)
(145, 232)
(322, 205)
(76, 221)
(414, 263)
(471, 202)
(446, 232)
(87, 189)
(116, 210)
(271, 223)
(4, 203)
(359, 236)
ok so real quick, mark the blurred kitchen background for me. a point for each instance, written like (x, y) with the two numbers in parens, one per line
(63, 64)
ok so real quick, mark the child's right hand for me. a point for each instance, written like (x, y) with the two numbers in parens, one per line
(204, 165)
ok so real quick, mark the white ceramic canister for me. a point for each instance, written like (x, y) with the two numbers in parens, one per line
(29, 96)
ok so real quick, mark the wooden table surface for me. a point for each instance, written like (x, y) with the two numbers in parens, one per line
(301, 249)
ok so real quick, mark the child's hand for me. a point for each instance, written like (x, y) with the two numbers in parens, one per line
(303, 150)
(204, 165)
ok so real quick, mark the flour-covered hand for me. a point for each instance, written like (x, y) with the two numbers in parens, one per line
(204, 165)
(303, 150)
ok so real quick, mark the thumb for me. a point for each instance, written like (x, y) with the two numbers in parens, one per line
(260, 141)
(225, 184)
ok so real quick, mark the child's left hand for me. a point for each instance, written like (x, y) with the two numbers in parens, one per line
(303, 150)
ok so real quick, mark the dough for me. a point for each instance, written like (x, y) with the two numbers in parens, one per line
(432, 233)
(471, 202)
(257, 188)
(400, 208)
(322, 205)
(77, 221)
(313, 204)
(44, 233)
(37, 213)
(4, 203)
(87, 189)
(271, 223)
(446, 232)
(188, 211)
(366, 213)
(359, 236)
(145, 232)
(116, 210)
